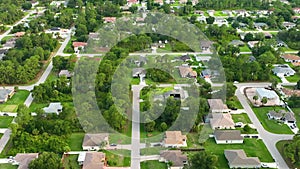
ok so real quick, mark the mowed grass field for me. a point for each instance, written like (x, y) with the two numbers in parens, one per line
(5, 121)
(153, 164)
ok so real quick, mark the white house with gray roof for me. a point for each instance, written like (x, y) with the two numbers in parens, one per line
(228, 137)
(54, 108)
(283, 70)
(5, 94)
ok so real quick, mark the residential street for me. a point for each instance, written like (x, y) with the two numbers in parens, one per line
(268, 138)
(4, 139)
(135, 135)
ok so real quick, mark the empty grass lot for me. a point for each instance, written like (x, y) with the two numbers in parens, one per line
(117, 160)
(271, 125)
(75, 141)
(252, 147)
(153, 164)
(241, 118)
(70, 162)
(5, 121)
(280, 147)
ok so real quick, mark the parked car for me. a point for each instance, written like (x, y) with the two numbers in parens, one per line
(113, 144)
(5, 114)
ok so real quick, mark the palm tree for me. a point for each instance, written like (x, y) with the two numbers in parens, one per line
(264, 100)
(255, 98)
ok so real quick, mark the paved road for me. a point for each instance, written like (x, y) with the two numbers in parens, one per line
(268, 138)
(135, 135)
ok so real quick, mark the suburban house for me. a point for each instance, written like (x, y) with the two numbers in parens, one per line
(78, 46)
(268, 35)
(296, 10)
(138, 72)
(185, 58)
(92, 160)
(237, 43)
(187, 72)
(109, 19)
(251, 44)
(202, 58)
(175, 156)
(228, 137)
(19, 34)
(140, 60)
(5, 94)
(283, 70)
(177, 93)
(23, 159)
(217, 106)
(269, 94)
(291, 58)
(211, 12)
(65, 73)
(260, 25)
(160, 2)
(205, 46)
(239, 159)
(174, 139)
(95, 142)
(282, 116)
(132, 2)
(221, 121)
(220, 21)
(54, 108)
(288, 25)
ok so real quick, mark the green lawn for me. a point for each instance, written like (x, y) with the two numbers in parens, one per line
(75, 141)
(8, 166)
(245, 48)
(241, 118)
(118, 138)
(271, 125)
(150, 137)
(297, 116)
(19, 97)
(193, 140)
(35, 106)
(280, 147)
(294, 78)
(117, 160)
(219, 13)
(5, 121)
(70, 162)
(252, 147)
(152, 150)
(12, 104)
(153, 164)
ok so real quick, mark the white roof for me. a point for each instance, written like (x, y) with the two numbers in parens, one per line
(53, 108)
(81, 156)
(270, 94)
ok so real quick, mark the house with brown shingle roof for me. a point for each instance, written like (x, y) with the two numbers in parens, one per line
(217, 106)
(291, 58)
(78, 46)
(95, 141)
(228, 137)
(94, 160)
(221, 121)
(174, 139)
(23, 159)
(239, 159)
(187, 72)
(175, 156)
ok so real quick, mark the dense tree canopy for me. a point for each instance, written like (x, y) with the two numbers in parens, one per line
(46, 160)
